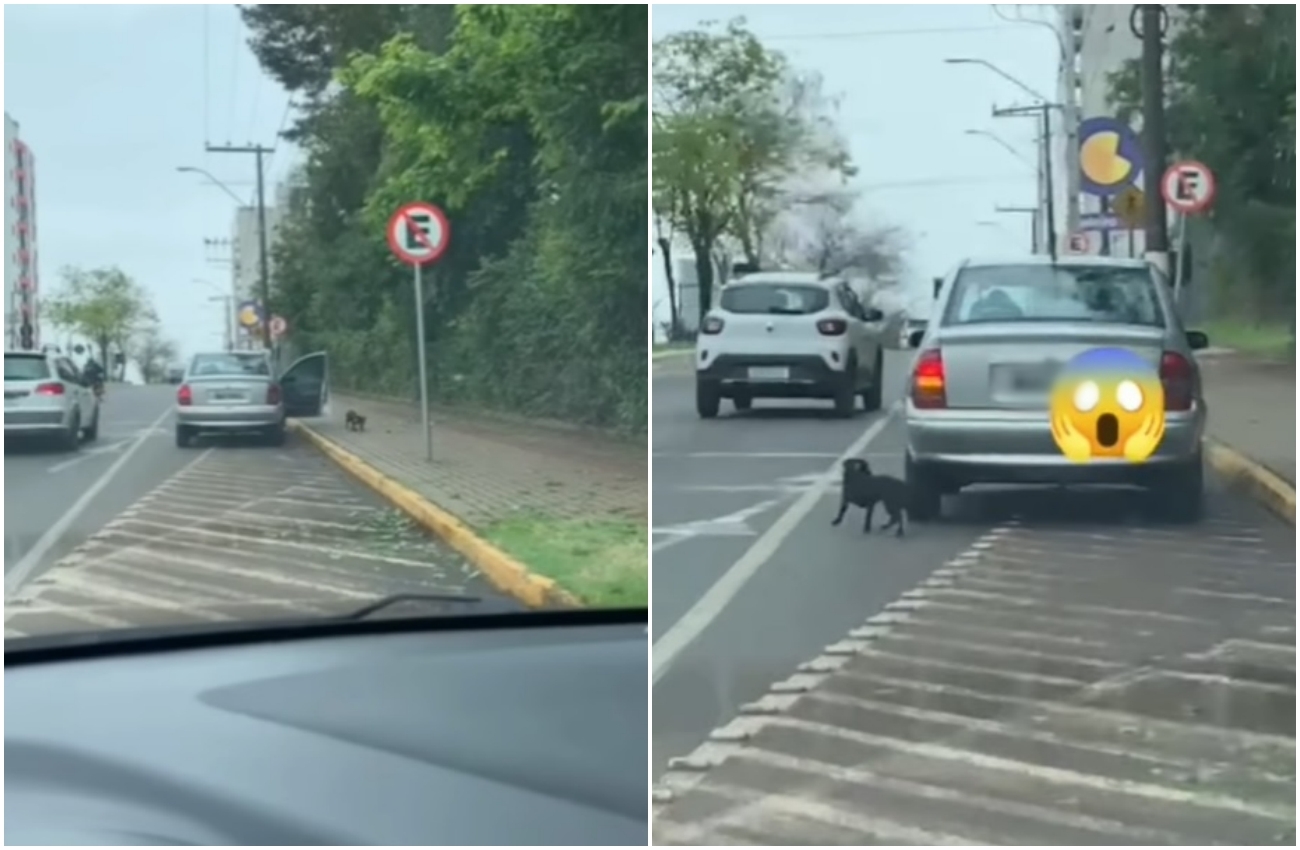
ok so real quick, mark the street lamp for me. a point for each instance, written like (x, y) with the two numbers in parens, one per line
(1003, 142)
(1001, 73)
(228, 319)
(189, 169)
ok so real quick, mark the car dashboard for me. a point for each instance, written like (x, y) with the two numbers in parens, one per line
(405, 734)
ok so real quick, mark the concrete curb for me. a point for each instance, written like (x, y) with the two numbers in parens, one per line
(504, 572)
(1265, 486)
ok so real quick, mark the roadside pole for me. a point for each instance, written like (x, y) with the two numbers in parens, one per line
(418, 234)
(1149, 22)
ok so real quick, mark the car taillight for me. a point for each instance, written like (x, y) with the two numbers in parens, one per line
(712, 325)
(1177, 376)
(50, 389)
(184, 396)
(928, 388)
(273, 394)
(832, 327)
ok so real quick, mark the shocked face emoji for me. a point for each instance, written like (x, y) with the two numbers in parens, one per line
(1108, 403)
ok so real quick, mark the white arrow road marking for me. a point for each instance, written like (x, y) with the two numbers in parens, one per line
(735, 524)
(86, 454)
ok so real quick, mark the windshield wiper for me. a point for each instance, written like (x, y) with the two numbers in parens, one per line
(397, 598)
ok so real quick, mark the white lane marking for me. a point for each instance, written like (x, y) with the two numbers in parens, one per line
(86, 454)
(693, 623)
(27, 565)
(735, 524)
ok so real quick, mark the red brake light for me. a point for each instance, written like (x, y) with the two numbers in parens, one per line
(832, 327)
(928, 388)
(1177, 375)
(184, 396)
(273, 394)
(50, 389)
(712, 325)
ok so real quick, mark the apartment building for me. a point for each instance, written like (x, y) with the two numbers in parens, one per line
(22, 317)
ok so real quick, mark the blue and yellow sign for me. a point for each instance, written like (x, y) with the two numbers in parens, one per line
(249, 314)
(1110, 156)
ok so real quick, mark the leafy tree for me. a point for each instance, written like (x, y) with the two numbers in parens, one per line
(104, 305)
(1231, 104)
(152, 353)
(824, 234)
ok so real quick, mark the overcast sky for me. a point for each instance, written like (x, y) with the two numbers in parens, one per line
(905, 112)
(111, 100)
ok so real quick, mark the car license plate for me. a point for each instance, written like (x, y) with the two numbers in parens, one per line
(769, 373)
(229, 396)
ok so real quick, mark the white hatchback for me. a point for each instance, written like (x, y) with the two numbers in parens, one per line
(789, 335)
(47, 396)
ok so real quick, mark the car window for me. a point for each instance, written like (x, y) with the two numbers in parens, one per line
(1105, 294)
(229, 365)
(67, 370)
(782, 298)
(19, 367)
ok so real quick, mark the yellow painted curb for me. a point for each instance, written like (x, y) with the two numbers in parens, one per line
(1266, 486)
(504, 572)
(671, 352)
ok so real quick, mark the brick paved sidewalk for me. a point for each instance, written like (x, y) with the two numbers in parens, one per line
(1252, 409)
(485, 470)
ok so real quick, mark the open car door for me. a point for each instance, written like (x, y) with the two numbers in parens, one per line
(305, 385)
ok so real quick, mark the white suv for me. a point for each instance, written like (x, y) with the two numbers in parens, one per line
(46, 395)
(789, 335)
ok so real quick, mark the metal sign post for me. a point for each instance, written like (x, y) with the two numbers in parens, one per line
(419, 234)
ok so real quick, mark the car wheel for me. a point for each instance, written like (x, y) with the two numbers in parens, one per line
(91, 433)
(872, 396)
(925, 494)
(846, 394)
(275, 436)
(1180, 497)
(184, 437)
(708, 396)
(70, 440)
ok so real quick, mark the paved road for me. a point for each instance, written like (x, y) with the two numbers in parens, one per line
(225, 533)
(42, 484)
(1047, 667)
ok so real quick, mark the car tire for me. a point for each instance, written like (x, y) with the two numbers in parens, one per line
(873, 396)
(275, 437)
(70, 440)
(924, 493)
(846, 391)
(91, 433)
(708, 397)
(1180, 497)
(742, 402)
(184, 437)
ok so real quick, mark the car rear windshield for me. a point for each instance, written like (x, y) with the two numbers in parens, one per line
(782, 298)
(229, 365)
(25, 368)
(1102, 294)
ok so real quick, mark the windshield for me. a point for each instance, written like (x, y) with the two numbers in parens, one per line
(282, 428)
(24, 368)
(1043, 293)
(786, 298)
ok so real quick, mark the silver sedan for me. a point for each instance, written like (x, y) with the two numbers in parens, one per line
(977, 410)
(230, 392)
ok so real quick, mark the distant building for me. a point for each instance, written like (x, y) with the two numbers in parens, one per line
(246, 280)
(22, 319)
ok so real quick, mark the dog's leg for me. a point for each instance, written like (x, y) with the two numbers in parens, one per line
(844, 506)
(902, 523)
(866, 522)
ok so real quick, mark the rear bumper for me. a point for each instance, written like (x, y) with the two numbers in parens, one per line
(235, 419)
(807, 375)
(994, 447)
(37, 421)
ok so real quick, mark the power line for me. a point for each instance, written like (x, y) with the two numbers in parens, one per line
(829, 36)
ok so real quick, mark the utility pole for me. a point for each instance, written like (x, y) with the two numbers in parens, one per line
(1070, 115)
(1032, 212)
(264, 275)
(1150, 20)
(1044, 113)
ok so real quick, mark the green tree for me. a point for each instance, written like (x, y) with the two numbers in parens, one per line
(1230, 97)
(104, 305)
(152, 352)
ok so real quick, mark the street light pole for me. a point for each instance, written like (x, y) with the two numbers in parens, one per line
(1153, 19)
(263, 260)
(1044, 113)
(1032, 212)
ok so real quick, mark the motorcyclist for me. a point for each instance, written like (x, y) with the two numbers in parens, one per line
(94, 374)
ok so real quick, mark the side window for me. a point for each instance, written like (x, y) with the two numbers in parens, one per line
(850, 301)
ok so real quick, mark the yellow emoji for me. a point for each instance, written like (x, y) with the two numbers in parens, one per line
(1108, 403)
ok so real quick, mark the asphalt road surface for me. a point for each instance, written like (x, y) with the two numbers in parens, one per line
(150, 534)
(1042, 667)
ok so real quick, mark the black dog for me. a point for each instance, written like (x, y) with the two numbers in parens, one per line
(863, 489)
(354, 421)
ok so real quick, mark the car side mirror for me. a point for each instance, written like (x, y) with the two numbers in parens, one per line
(872, 314)
(938, 286)
(1198, 340)
(914, 338)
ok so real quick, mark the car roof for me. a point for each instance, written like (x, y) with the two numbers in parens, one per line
(804, 278)
(1064, 261)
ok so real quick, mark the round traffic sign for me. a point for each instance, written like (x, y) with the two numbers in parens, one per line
(278, 325)
(1188, 187)
(1079, 242)
(419, 233)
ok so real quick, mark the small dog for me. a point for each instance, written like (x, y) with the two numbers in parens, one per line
(354, 421)
(864, 489)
